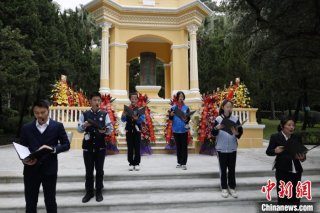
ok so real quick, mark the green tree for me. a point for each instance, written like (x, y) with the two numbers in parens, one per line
(18, 71)
(221, 59)
(283, 54)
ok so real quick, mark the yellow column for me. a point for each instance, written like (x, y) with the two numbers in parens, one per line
(104, 69)
(167, 81)
(118, 70)
(128, 75)
(179, 71)
(194, 82)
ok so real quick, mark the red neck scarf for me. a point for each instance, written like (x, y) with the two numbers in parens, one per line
(132, 106)
(179, 104)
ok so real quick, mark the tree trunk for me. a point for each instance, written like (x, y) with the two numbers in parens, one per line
(9, 100)
(23, 109)
(296, 113)
(289, 109)
(1, 110)
(273, 112)
(306, 107)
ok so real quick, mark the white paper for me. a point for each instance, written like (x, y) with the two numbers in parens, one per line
(22, 151)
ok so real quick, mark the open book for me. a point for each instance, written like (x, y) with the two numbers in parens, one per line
(228, 125)
(130, 112)
(96, 124)
(25, 154)
(181, 114)
(294, 147)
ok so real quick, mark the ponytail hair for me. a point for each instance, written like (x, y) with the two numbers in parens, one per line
(224, 102)
(178, 94)
(283, 121)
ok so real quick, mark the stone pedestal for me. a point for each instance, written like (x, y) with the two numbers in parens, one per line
(151, 91)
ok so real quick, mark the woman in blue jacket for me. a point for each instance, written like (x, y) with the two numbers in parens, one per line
(180, 130)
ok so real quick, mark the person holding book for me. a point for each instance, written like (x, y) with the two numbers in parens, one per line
(95, 124)
(133, 117)
(288, 158)
(179, 114)
(42, 133)
(227, 130)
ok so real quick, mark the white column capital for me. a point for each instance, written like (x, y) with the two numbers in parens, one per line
(179, 46)
(167, 65)
(105, 26)
(104, 90)
(117, 44)
(192, 28)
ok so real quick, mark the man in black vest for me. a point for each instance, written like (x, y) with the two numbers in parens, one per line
(96, 125)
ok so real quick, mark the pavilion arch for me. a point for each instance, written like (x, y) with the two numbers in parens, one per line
(167, 28)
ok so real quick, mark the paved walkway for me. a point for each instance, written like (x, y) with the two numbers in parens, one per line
(71, 162)
(248, 161)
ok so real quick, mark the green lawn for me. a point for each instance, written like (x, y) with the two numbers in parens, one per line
(272, 125)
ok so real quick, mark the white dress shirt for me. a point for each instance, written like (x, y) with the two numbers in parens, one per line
(42, 127)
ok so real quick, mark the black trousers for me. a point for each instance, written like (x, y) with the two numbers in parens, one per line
(181, 140)
(227, 161)
(286, 177)
(94, 160)
(32, 181)
(133, 143)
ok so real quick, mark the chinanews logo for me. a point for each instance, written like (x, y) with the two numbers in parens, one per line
(302, 190)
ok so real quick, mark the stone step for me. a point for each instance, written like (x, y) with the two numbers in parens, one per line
(157, 133)
(156, 143)
(147, 201)
(157, 150)
(144, 175)
(160, 143)
(154, 186)
(159, 140)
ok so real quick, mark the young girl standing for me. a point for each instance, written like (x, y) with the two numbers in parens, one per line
(226, 146)
(180, 130)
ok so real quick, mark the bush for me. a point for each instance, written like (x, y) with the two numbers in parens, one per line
(314, 117)
(10, 112)
(7, 113)
(267, 114)
(309, 138)
(12, 124)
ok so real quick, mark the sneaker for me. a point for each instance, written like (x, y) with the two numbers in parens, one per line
(178, 166)
(233, 193)
(224, 193)
(131, 168)
(184, 167)
(137, 168)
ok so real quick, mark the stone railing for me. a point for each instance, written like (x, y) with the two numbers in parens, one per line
(69, 116)
(248, 114)
(252, 137)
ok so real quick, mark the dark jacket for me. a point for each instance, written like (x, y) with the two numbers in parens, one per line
(96, 139)
(283, 161)
(54, 136)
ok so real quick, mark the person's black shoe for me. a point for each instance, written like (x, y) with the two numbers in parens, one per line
(87, 197)
(99, 196)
